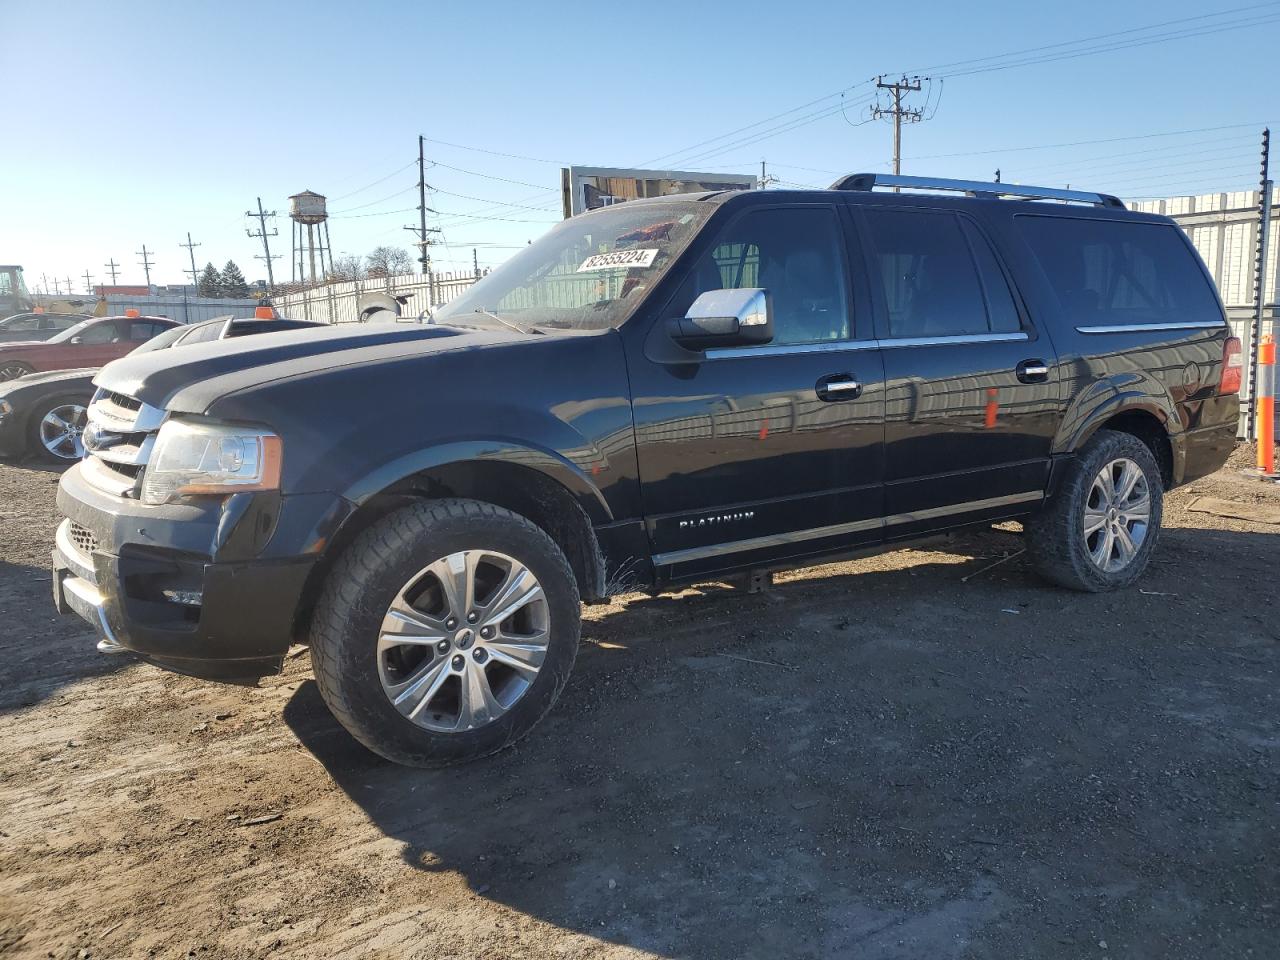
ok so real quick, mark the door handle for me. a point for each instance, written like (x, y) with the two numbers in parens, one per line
(1032, 371)
(838, 386)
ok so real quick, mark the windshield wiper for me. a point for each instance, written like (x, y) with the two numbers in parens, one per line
(506, 322)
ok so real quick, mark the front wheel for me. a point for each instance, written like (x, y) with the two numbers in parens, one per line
(1100, 528)
(445, 632)
(57, 429)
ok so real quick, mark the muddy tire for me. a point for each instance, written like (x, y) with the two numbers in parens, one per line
(445, 632)
(1099, 530)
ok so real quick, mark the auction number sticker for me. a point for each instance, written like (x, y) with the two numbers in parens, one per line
(619, 260)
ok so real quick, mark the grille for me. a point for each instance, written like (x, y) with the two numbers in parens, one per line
(82, 537)
(118, 440)
(122, 401)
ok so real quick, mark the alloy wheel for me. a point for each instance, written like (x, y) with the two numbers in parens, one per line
(1117, 515)
(62, 430)
(13, 370)
(463, 640)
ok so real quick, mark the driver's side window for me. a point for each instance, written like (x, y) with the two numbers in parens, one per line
(795, 254)
(99, 333)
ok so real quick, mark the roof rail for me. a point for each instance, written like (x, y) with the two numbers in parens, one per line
(973, 188)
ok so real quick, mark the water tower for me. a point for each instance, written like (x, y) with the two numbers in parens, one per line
(307, 209)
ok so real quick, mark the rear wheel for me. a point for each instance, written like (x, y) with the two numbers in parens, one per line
(12, 369)
(1100, 528)
(57, 429)
(445, 632)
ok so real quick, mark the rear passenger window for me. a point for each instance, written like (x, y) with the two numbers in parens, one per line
(1114, 273)
(939, 275)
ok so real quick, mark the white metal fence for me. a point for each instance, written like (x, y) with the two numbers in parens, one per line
(337, 302)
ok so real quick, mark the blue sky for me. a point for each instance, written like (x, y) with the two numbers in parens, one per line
(138, 121)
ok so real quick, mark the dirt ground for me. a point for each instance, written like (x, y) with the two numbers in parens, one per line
(878, 759)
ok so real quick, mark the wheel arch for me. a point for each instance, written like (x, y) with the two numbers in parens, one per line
(546, 497)
(1150, 418)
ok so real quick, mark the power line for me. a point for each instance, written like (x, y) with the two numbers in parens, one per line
(498, 153)
(374, 203)
(489, 176)
(376, 182)
(1078, 143)
(938, 67)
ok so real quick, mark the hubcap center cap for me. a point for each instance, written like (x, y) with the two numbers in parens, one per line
(463, 639)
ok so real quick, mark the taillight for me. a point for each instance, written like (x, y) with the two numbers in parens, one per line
(1232, 366)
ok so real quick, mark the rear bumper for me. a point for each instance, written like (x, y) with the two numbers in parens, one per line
(187, 587)
(1204, 450)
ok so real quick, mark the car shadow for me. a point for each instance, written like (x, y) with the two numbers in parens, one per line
(41, 651)
(896, 763)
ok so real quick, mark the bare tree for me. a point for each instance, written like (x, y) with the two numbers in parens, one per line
(348, 267)
(389, 261)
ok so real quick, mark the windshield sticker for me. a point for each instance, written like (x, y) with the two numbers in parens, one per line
(619, 260)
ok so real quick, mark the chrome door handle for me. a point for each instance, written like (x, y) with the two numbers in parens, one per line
(839, 386)
(1032, 371)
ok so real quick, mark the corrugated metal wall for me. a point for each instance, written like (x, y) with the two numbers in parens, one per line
(184, 309)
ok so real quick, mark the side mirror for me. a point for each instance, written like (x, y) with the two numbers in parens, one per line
(77, 339)
(725, 318)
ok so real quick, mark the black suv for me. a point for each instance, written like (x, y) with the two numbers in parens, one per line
(658, 392)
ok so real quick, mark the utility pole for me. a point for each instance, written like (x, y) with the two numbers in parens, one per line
(57, 290)
(88, 282)
(69, 288)
(1265, 187)
(997, 174)
(898, 89)
(261, 234)
(145, 263)
(475, 262)
(765, 179)
(112, 268)
(191, 251)
(422, 232)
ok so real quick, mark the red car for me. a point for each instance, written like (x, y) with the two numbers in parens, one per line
(93, 343)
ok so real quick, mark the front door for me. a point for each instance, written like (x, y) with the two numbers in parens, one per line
(971, 387)
(769, 452)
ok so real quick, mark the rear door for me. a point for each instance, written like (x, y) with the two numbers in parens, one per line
(971, 386)
(772, 451)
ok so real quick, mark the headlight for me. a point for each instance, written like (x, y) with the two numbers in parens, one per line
(192, 458)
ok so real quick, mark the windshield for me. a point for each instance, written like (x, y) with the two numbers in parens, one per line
(587, 273)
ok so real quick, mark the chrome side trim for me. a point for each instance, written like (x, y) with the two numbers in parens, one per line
(1146, 327)
(755, 543)
(836, 529)
(953, 508)
(784, 349)
(850, 346)
(960, 338)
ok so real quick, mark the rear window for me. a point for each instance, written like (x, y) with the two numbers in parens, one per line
(1113, 273)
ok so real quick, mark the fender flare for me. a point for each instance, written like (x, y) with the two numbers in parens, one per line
(496, 449)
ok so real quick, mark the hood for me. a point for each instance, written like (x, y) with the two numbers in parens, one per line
(190, 378)
(21, 346)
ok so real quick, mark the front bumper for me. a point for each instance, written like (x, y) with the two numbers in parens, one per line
(211, 590)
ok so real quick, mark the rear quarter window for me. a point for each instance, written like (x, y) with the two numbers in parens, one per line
(1118, 273)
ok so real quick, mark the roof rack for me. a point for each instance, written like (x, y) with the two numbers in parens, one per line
(973, 188)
